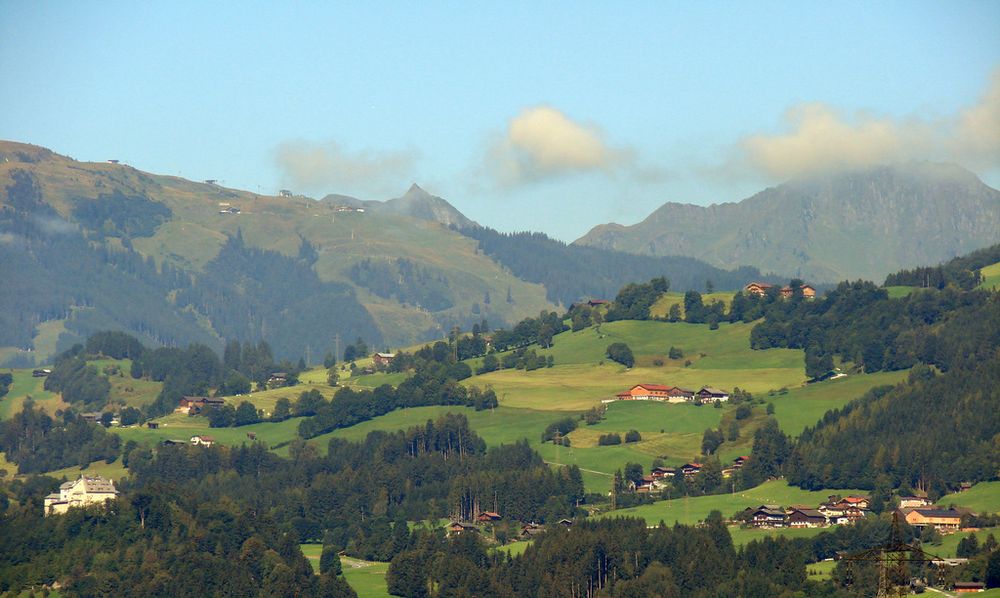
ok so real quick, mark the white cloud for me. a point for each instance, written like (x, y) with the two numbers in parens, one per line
(321, 168)
(819, 138)
(541, 142)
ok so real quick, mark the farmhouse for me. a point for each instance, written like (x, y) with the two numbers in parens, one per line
(195, 405)
(708, 393)
(488, 516)
(968, 587)
(799, 517)
(807, 292)
(757, 288)
(383, 360)
(88, 490)
(691, 469)
(645, 392)
(940, 519)
(766, 516)
(740, 461)
(277, 380)
(457, 527)
(761, 288)
(910, 502)
(659, 473)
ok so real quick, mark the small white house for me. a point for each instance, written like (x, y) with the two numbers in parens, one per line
(202, 440)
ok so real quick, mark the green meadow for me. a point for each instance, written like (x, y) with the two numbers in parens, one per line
(984, 497)
(367, 578)
(25, 386)
(661, 308)
(178, 426)
(805, 405)
(991, 276)
(691, 510)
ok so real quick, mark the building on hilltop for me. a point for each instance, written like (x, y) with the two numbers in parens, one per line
(86, 491)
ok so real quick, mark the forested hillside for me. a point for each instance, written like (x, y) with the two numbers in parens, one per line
(574, 273)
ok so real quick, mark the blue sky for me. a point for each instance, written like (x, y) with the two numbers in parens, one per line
(526, 116)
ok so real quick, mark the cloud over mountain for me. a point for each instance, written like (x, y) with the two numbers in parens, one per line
(820, 138)
(312, 167)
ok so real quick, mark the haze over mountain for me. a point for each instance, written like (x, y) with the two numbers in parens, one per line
(859, 224)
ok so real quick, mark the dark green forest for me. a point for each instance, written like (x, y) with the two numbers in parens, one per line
(574, 273)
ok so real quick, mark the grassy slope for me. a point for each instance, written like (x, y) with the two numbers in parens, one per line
(984, 497)
(181, 427)
(804, 406)
(24, 386)
(693, 510)
(583, 377)
(991, 276)
(662, 306)
(197, 231)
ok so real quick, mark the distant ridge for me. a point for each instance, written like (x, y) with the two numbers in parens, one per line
(848, 225)
(415, 203)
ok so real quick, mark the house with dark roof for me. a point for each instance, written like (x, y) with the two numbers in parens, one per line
(708, 393)
(802, 517)
(767, 516)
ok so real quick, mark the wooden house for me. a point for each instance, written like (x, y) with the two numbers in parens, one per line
(708, 393)
(940, 519)
(645, 392)
(757, 288)
(488, 517)
(383, 360)
(799, 517)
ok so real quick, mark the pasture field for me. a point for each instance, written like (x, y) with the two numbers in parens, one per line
(694, 509)
(661, 308)
(177, 426)
(803, 406)
(897, 292)
(25, 385)
(582, 375)
(124, 388)
(821, 571)
(114, 470)
(948, 545)
(312, 552)
(991, 276)
(984, 497)
(742, 536)
(366, 577)
(514, 548)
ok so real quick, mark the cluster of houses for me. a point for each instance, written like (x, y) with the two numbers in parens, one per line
(916, 511)
(659, 478)
(671, 394)
(761, 288)
(528, 531)
(86, 491)
(197, 405)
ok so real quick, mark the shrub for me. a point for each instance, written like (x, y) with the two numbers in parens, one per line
(632, 436)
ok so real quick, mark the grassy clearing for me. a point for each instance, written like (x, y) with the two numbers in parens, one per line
(805, 405)
(114, 471)
(661, 308)
(181, 427)
(583, 376)
(821, 571)
(692, 510)
(312, 552)
(898, 292)
(743, 536)
(124, 388)
(514, 548)
(984, 497)
(948, 545)
(24, 386)
(991, 277)
(367, 578)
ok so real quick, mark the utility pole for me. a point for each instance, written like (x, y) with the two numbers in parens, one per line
(336, 339)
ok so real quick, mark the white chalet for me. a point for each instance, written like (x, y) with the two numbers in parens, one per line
(88, 490)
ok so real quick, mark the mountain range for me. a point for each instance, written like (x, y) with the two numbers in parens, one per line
(847, 225)
(90, 246)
